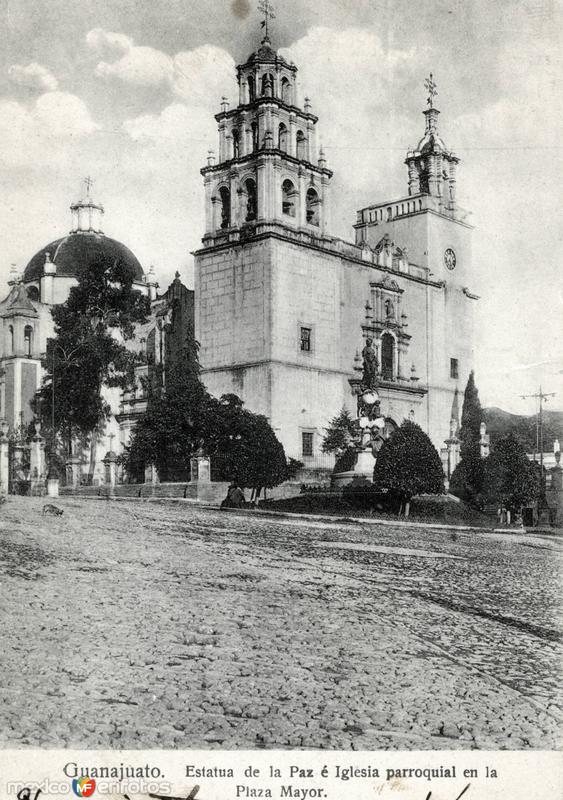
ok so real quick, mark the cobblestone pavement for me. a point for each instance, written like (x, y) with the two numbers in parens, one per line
(168, 626)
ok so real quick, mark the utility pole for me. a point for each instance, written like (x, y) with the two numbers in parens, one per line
(542, 397)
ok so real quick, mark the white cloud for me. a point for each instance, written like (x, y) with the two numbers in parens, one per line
(141, 66)
(195, 76)
(33, 76)
(203, 75)
(107, 41)
(37, 135)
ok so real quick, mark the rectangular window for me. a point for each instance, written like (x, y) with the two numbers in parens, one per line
(306, 340)
(307, 443)
(454, 368)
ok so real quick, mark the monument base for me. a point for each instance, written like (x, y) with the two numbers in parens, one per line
(361, 475)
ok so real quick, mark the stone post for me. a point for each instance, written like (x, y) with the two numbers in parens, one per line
(200, 469)
(151, 474)
(37, 463)
(72, 466)
(110, 469)
(4, 460)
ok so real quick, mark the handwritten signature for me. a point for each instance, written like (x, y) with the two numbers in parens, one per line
(429, 795)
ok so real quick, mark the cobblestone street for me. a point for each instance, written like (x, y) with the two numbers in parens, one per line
(168, 626)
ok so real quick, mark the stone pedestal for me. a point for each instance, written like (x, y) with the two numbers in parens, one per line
(365, 464)
(37, 464)
(4, 460)
(151, 474)
(52, 487)
(110, 469)
(200, 469)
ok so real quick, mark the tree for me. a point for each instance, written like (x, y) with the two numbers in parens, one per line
(408, 464)
(510, 479)
(339, 434)
(177, 420)
(467, 479)
(243, 447)
(184, 419)
(88, 350)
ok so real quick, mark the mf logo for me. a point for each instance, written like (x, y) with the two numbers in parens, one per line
(83, 787)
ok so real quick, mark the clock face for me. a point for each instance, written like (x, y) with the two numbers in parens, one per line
(450, 258)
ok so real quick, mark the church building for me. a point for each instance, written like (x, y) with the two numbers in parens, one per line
(284, 308)
(26, 324)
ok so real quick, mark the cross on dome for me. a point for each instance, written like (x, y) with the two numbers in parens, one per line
(88, 183)
(430, 85)
(266, 7)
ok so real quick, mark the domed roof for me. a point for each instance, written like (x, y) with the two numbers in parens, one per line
(81, 250)
(431, 143)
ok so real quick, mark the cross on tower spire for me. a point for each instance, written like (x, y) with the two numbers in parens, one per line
(88, 183)
(430, 85)
(266, 7)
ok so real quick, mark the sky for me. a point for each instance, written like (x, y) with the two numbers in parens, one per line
(126, 92)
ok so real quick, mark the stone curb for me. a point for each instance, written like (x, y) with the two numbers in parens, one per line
(321, 517)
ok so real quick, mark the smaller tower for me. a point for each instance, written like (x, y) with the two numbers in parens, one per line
(432, 167)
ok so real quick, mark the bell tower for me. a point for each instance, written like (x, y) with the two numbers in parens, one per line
(432, 167)
(268, 169)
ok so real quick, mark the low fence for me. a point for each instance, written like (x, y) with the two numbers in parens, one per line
(211, 492)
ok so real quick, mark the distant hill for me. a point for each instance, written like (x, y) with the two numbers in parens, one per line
(501, 422)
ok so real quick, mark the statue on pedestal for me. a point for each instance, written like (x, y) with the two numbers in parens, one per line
(370, 365)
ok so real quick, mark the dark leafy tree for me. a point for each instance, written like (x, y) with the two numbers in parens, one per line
(88, 350)
(177, 420)
(510, 479)
(339, 434)
(467, 479)
(408, 464)
(244, 448)
(184, 419)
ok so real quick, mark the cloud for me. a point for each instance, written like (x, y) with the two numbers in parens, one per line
(195, 76)
(46, 128)
(140, 66)
(203, 75)
(108, 42)
(33, 76)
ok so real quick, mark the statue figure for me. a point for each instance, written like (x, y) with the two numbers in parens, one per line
(371, 365)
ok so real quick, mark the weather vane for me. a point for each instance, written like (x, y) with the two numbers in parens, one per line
(431, 87)
(267, 8)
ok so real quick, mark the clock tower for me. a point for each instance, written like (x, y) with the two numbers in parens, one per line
(432, 230)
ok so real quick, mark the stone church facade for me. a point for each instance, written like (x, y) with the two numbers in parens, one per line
(283, 308)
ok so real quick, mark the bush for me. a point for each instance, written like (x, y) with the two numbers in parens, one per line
(408, 464)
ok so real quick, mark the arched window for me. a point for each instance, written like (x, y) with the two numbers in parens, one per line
(236, 143)
(251, 89)
(301, 146)
(286, 91)
(251, 200)
(254, 127)
(387, 357)
(225, 196)
(267, 85)
(312, 207)
(33, 293)
(282, 137)
(288, 198)
(11, 339)
(28, 340)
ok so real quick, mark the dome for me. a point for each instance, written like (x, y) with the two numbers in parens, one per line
(431, 143)
(79, 251)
